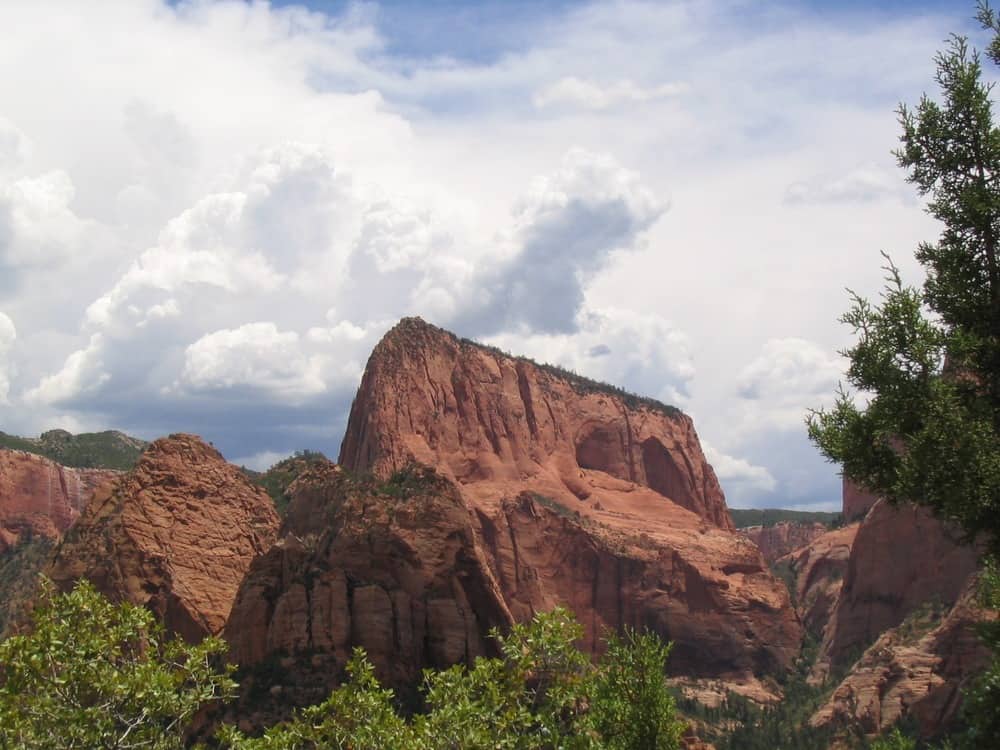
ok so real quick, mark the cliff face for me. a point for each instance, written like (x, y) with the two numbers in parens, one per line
(783, 538)
(917, 669)
(901, 558)
(857, 502)
(486, 418)
(542, 496)
(176, 534)
(40, 498)
(818, 571)
(409, 571)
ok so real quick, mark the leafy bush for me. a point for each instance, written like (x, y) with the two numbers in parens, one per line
(542, 693)
(93, 675)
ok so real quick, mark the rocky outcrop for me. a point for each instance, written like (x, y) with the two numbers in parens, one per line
(917, 669)
(783, 538)
(40, 498)
(176, 534)
(542, 496)
(483, 417)
(818, 571)
(857, 501)
(396, 569)
(411, 572)
(902, 557)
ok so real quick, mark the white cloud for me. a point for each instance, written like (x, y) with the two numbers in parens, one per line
(8, 335)
(738, 471)
(566, 227)
(790, 371)
(863, 184)
(576, 92)
(82, 372)
(292, 162)
(256, 355)
(37, 225)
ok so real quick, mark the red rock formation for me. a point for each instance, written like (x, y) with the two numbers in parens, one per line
(547, 497)
(38, 497)
(819, 569)
(417, 581)
(901, 558)
(783, 538)
(917, 669)
(176, 534)
(857, 502)
(484, 418)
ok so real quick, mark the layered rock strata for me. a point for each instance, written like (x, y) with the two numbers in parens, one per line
(482, 417)
(176, 534)
(40, 498)
(902, 557)
(917, 670)
(546, 491)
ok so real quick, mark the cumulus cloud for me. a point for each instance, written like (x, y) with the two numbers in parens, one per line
(790, 371)
(577, 92)
(37, 225)
(256, 355)
(567, 226)
(83, 372)
(739, 472)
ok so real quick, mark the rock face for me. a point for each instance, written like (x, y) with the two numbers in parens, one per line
(901, 558)
(542, 496)
(818, 570)
(418, 577)
(918, 669)
(176, 534)
(481, 416)
(40, 498)
(857, 502)
(782, 538)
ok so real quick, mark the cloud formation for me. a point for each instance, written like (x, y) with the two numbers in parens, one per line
(221, 255)
(571, 91)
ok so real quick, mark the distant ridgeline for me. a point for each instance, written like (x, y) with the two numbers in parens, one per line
(88, 450)
(743, 517)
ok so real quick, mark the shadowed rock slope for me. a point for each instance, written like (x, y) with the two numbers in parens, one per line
(175, 534)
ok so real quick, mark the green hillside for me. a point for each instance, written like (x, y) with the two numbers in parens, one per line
(743, 517)
(90, 450)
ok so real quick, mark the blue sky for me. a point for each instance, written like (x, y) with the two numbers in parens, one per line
(210, 211)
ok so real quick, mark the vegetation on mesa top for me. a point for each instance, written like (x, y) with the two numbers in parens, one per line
(744, 517)
(279, 477)
(88, 450)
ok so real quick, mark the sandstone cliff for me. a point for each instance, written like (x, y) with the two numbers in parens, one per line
(817, 572)
(40, 498)
(783, 538)
(482, 417)
(176, 534)
(901, 558)
(857, 502)
(917, 669)
(542, 496)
